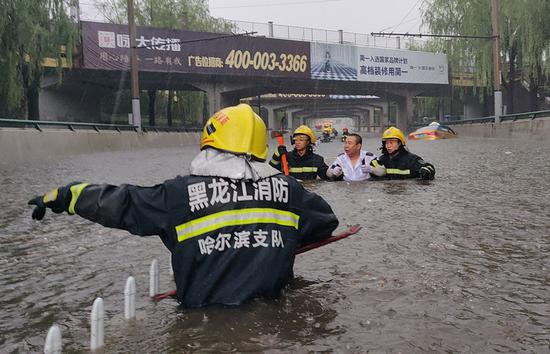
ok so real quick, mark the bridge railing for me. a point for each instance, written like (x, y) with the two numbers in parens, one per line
(165, 129)
(526, 115)
(322, 35)
(503, 118)
(40, 124)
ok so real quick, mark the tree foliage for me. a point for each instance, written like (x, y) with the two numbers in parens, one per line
(176, 14)
(30, 30)
(524, 33)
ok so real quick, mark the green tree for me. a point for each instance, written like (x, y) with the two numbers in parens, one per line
(30, 30)
(524, 30)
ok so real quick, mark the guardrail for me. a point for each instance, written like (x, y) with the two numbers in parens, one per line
(262, 29)
(73, 126)
(526, 115)
(489, 119)
(503, 118)
(156, 129)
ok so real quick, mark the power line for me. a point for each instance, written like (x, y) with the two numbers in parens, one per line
(408, 21)
(407, 15)
(274, 4)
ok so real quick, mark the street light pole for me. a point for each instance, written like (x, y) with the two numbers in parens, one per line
(496, 60)
(136, 113)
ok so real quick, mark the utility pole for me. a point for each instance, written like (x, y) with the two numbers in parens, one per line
(136, 114)
(74, 12)
(496, 59)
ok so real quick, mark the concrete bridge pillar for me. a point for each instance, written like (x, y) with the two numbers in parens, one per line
(385, 116)
(272, 122)
(221, 95)
(371, 120)
(361, 121)
(292, 122)
(289, 120)
(218, 100)
(404, 111)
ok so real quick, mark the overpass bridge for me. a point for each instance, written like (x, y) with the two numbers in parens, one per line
(231, 67)
(369, 113)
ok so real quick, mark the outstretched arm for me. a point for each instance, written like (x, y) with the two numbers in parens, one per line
(140, 210)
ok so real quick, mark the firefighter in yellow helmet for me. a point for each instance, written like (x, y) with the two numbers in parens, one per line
(232, 226)
(303, 163)
(396, 162)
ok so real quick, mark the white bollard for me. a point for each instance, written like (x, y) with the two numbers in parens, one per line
(53, 341)
(97, 328)
(130, 298)
(154, 278)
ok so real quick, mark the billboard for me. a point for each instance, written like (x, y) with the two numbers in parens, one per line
(333, 62)
(106, 46)
(386, 65)
(351, 63)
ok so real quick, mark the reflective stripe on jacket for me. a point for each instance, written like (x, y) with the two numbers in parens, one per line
(402, 165)
(308, 166)
(230, 240)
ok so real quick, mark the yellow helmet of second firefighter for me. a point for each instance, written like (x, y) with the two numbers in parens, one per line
(304, 129)
(393, 133)
(238, 130)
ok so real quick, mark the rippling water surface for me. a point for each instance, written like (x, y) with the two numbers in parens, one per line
(460, 264)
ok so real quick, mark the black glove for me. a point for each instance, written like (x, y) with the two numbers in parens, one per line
(58, 199)
(427, 172)
(282, 150)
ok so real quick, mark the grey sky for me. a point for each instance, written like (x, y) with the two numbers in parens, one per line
(362, 16)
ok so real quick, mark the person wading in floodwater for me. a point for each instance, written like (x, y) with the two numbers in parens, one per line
(303, 163)
(396, 162)
(233, 226)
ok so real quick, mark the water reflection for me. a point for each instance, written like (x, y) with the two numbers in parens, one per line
(458, 264)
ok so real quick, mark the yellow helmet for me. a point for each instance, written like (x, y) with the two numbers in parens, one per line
(393, 133)
(238, 130)
(303, 129)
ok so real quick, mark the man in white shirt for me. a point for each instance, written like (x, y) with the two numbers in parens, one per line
(353, 164)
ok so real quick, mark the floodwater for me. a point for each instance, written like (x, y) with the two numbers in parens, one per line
(460, 264)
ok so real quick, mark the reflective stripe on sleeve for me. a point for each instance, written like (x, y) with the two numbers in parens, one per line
(375, 163)
(236, 217)
(51, 195)
(396, 171)
(302, 169)
(75, 193)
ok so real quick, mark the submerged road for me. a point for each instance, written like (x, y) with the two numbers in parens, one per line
(460, 264)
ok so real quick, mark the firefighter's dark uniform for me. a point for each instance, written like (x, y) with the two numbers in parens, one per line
(230, 240)
(308, 166)
(403, 164)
